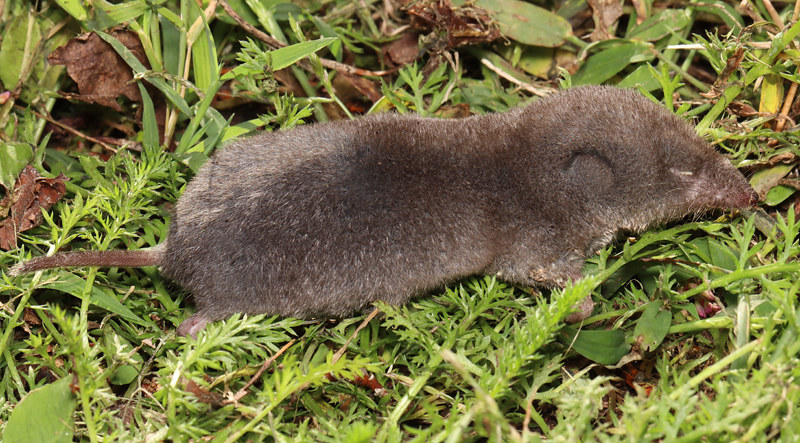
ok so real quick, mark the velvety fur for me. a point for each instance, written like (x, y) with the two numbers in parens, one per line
(326, 218)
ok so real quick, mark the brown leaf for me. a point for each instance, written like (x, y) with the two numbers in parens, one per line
(30, 318)
(462, 25)
(22, 206)
(785, 157)
(369, 381)
(742, 109)
(204, 396)
(731, 65)
(641, 11)
(606, 13)
(99, 71)
(403, 50)
(364, 86)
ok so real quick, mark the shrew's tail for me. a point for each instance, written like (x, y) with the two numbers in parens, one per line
(128, 259)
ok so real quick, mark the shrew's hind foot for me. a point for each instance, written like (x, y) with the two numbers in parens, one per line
(192, 325)
(584, 310)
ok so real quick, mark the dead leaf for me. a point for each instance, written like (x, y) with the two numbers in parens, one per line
(30, 318)
(460, 110)
(459, 26)
(23, 206)
(403, 50)
(786, 157)
(99, 71)
(606, 13)
(641, 10)
(742, 109)
(731, 64)
(368, 380)
(204, 396)
(363, 85)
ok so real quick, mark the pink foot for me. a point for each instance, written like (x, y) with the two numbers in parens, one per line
(585, 308)
(192, 325)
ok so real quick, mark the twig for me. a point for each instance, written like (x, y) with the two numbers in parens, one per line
(70, 129)
(699, 47)
(773, 14)
(276, 44)
(747, 8)
(198, 24)
(526, 422)
(264, 37)
(342, 350)
(242, 392)
(363, 324)
(541, 92)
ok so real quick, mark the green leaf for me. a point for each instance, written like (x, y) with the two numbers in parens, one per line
(607, 63)
(604, 347)
(60, 162)
(771, 94)
(527, 23)
(204, 53)
(242, 128)
(149, 123)
(123, 375)
(126, 373)
(326, 30)
(194, 160)
(724, 11)
(74, 8)
(765, 179)
(173, 44)
(110, 15)
(199, 124)
(619, 278)
(283, 10)
(72, 284)
(284, 57)
(244, 11)
(45, 414)
(778, 194)
(17, 49)
(90, 166)
(537, 61)
(264, 10)
(641, 77)
(653, 325)
(661, 24)
(13, 158)
(711, 251)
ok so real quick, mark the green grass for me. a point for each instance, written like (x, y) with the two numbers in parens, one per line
(93, 354)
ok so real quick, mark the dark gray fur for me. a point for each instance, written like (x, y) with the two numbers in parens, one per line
(326, 218)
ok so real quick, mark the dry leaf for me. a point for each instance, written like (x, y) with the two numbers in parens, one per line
(403, 50)
(99, 71)
(464, 25)
(23, 206)
(363, 85)
(203, 395)
(606, 13)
